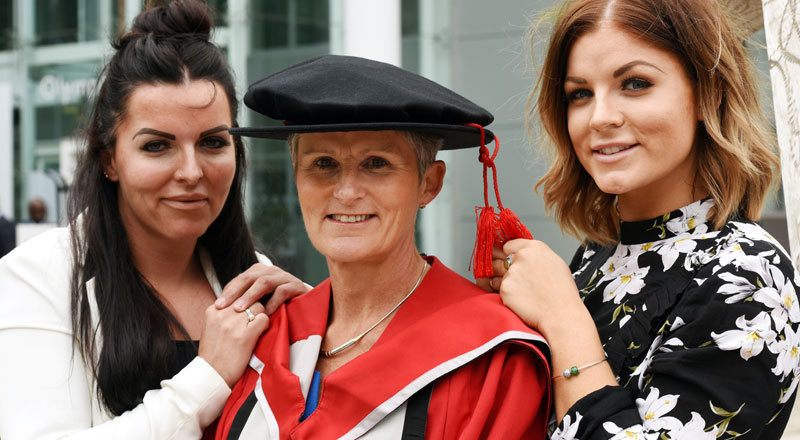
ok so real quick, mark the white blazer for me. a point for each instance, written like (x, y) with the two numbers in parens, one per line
(47, 391)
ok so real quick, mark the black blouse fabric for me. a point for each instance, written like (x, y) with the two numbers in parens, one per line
(700, 327)
(185, 352)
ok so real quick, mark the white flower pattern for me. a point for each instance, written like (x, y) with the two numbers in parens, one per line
(738, 287)
(635, 432)
(626, 280)
(653, 411)
(671, 250)
(781, 297)
(695, 429)
(750, 337)
(787, 350)
(568, 429)
(683, 311)
(691, 218)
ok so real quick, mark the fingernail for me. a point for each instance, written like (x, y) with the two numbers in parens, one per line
(239, 305)
(220, 301)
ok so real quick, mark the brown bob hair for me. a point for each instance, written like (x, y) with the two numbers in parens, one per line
(736, 164)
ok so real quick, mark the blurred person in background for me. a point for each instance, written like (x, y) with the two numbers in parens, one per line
(37, 210)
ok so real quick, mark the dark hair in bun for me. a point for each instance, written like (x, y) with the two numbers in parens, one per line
(168, 44)
(178, 18)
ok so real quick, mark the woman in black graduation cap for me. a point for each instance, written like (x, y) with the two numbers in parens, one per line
(393, 342)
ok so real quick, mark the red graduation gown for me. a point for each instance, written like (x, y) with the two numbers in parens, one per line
(488, 371)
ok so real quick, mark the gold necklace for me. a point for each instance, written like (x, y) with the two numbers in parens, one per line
(353, 341)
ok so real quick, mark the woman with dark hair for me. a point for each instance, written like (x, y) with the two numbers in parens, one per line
(98, 320)
(678, 317)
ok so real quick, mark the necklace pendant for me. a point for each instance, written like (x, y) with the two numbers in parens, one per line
(340, 348)
(353, 341)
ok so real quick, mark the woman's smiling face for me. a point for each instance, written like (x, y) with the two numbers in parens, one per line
(359, 192)
(632, 119)
(174, 160)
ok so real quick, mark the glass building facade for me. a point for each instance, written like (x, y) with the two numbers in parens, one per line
(52, 51)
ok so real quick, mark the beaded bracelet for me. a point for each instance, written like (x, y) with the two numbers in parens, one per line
(574, 370)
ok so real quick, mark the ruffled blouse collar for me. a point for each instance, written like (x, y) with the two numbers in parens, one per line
(687, 220)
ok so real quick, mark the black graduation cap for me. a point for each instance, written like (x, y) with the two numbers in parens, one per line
(344, 93)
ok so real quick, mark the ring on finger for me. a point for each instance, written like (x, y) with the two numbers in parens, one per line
(250, 315)
(509, 260)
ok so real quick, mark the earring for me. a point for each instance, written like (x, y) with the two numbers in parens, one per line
(105, 174)
(422, 206)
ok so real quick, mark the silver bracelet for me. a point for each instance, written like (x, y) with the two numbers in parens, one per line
(574, 370)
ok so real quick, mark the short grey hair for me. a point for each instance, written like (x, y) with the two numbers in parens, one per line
(425, 145)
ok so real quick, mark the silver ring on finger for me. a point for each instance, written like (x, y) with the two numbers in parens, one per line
(250, 315)
(509, 260)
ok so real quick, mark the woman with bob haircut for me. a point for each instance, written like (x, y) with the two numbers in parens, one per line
(100, 321)
(678, 316)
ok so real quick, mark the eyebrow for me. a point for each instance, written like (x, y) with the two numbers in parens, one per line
(154, 132)
(214, 130)
(575, 80)
(333, 150)
(633, 64)
(172, 136)
(617, 73)
(325, 148)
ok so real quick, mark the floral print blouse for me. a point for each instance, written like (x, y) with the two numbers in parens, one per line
(700, 327)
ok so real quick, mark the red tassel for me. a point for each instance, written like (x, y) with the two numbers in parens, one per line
(493, 229)
(511, 227)
(482, 253)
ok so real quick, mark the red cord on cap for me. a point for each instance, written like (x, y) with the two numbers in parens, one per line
(493, 229)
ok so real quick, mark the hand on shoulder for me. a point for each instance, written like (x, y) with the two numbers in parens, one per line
(258, 282)
(537, 285)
